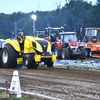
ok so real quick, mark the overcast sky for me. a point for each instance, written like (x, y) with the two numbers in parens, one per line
(26, 6)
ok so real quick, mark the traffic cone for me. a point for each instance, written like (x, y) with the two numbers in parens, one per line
(15, 90)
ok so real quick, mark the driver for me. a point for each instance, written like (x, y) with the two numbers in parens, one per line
(21, 39)
(53, 37)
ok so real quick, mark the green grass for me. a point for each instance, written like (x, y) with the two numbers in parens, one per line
(4, 95)
(22, 98)
(81, 67)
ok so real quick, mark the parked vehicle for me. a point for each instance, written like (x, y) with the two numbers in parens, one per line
(68, 47)
(92, 41)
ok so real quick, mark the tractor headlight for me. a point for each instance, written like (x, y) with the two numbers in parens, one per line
(39, 47)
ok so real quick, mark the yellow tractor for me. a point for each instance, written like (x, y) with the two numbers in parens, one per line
(34, 51)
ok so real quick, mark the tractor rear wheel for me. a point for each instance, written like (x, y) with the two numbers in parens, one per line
(65, 53)
(9, 57)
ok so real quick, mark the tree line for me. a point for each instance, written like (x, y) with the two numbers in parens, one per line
(69, 16)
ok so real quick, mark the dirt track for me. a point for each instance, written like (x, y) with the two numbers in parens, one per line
(54, 83)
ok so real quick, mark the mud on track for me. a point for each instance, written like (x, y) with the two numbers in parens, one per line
(56, 83)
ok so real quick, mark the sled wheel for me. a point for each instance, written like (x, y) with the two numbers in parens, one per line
(9, 57)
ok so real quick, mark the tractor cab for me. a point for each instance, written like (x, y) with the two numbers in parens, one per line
(92, 35)
(68, 37)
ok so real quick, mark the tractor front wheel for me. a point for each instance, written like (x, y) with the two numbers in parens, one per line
(83, 54)
(49, 64)
(29, 61)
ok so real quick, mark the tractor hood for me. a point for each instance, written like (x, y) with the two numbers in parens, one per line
(38, 44)
(73, 44)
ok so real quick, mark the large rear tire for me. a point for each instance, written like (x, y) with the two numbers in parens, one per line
(65, 53)
(29, 61)
(9, 57)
